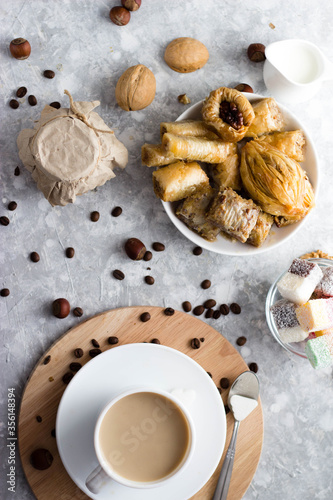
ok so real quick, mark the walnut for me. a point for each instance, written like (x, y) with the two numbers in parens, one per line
(136, 88)
(184, 99)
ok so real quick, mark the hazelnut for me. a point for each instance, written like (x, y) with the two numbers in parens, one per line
(244, 87)
(186, 55)
(136, 88)
(256, 52)
(135, 249)
(131, 4)
(61, 308)
(120, 16)
(20, 48)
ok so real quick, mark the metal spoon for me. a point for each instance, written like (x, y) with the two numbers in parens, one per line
(246, 390)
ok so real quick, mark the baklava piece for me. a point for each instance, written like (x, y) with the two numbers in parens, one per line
(191, 148)
(154, 155)
(261, 230)
(227, 173)
(291, 143)
(192, 128)
(267, 118)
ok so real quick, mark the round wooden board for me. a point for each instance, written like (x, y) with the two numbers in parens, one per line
(45, 387)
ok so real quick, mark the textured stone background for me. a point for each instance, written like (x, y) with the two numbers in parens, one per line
(89, 53)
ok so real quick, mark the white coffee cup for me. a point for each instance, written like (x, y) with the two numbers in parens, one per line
(105, 472)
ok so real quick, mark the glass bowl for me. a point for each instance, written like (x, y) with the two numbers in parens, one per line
(273, 296)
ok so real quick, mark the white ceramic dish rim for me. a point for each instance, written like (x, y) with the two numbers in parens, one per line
(225, 246)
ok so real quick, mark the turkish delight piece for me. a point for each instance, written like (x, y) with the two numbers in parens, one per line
(287, 324)
(316, 315)
(300, 281)
(319, 351)
(324, 289)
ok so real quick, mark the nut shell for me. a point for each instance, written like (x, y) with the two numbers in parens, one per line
(136, 88)
(186, 55)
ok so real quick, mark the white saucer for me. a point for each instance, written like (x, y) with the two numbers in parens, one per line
(125, 367)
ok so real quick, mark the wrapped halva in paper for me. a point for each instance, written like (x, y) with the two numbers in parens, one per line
(70, 151)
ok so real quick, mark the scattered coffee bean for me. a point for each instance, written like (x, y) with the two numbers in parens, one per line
(202, 339)
(208, 304)
(67, 377)
(78, 352)
(75, 367)
(195, 343)
(14, 104)
(241, 341)
(149, 280)
(21, 92)
(147, 256)
(78, 312)
(51, 379)
(95, 343)
(197, 251)
(145, 317)
(209, 313)
(253, 367)
(216, 314)
(53, 433)
(94, 352)
(224, 383)
(41, 459)
(34, 257)
(155, 341)
(4, 292)
(205, 284)
(70, 252)
(12, 206)
(17, 171)
(235, 308)
(113, 340)
(211, 376)
(226, 409)
(39, 418)
(158, 247)
(219, 389)
(4, 221)
(119, 275)
(48, 73)
(187, 306)
(32, 100)
(198, 310)
(55, 105)
(117, 211)
(224, 308)
(94, 216)
(61, 308)
(47, 359)
(169, 311)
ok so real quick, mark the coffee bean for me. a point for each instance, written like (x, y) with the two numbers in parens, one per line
(39, 418)
(14, 104)
(78, 352)
(12, 206)
(253, 367)
(147, 256)
(116, 211)
(209, 313)
(4, 292)
(158, 247)
(113, 340)
(48, 73)
(205, 284)
(149, 280)
(94, 352)
(70, 252)
(21, 92)
(55, 105)
(198, 310)
(95, 343)
(202, 339)
(4, 221)
(94, 216)
(47, 359)
(155, 341)
(241, 341)
(187, 306)
(145, 317)
(235, 308)
(197, 251)
(34, 257)
(78, 312)
(208, 304)
(216, 314)
(195, 343)
(224, 383)
(53, 433)
(32, 100)
(119, 275)
(169, 311)
(211, 376)
(224, 308)
(67, 377)
(75, 367)
(226, 409)
(17, 171)
(41, 459)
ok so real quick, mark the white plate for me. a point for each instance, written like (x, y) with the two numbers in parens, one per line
(125, 367)
(277, 235)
